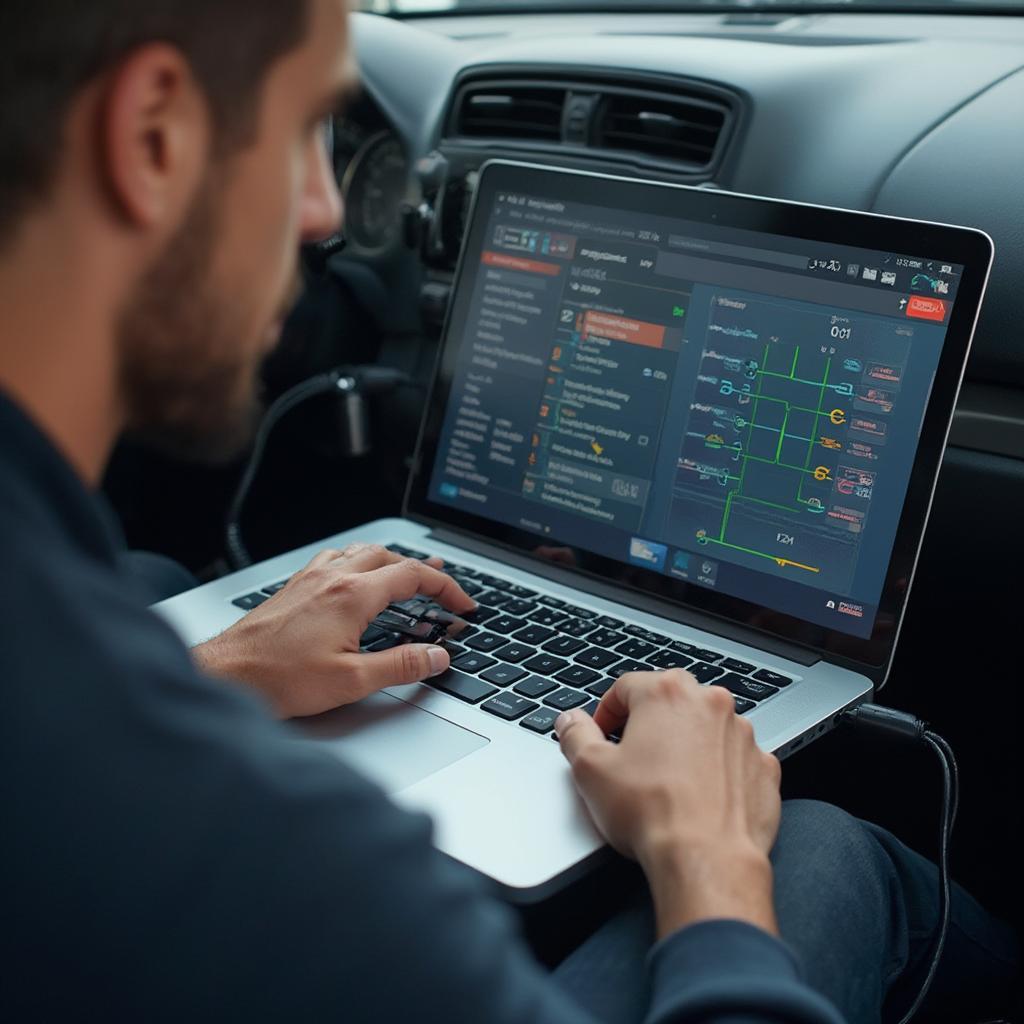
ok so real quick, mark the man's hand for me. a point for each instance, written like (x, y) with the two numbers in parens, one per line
(301, 647)
(686, 792)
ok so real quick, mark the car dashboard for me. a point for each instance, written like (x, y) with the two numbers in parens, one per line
(916, 116)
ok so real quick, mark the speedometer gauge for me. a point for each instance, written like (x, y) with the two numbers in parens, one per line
(373, 188)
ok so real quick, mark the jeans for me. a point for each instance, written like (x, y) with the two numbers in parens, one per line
(858, 908)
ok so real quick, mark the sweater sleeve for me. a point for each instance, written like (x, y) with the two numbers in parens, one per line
(729, 971)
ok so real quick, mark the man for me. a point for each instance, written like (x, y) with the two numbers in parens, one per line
(172, 851)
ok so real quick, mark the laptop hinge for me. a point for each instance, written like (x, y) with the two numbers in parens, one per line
(631, 598)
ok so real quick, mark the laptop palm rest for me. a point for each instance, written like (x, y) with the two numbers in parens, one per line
(394, 743)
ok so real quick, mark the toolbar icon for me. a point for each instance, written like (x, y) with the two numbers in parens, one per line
(870, 274)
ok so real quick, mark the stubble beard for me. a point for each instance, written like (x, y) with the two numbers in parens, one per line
(188, 381)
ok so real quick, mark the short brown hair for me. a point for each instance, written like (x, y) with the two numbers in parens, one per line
(50, 49)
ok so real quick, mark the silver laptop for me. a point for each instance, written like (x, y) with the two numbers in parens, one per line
(668, 427)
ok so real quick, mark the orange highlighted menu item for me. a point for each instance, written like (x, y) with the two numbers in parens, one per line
(623, 328)
(501, 259)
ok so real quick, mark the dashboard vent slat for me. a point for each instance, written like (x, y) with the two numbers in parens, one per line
(665, 127)
(511, 112)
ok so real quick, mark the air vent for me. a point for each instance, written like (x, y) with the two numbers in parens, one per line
(510, 111)
(678, 129)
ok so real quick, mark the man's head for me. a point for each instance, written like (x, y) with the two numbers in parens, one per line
(184, 138)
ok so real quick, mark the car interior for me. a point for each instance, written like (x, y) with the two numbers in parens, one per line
(912, 109)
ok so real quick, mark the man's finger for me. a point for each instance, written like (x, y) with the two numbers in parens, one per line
(617, 704)
(407, 579)
(324, 557)
(612, 712)
(576, 732)
(365, 558)
(406, 663)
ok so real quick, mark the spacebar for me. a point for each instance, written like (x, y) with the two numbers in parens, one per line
(458, 684)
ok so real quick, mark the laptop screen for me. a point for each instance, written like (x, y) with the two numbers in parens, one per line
(735, 409)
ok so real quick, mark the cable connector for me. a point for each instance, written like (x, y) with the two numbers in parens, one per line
(889, 720)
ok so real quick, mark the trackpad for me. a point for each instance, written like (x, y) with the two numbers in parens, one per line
(390, 741)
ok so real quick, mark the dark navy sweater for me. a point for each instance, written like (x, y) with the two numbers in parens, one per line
(173, 853)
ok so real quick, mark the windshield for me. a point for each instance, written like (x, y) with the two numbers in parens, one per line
(400, 8)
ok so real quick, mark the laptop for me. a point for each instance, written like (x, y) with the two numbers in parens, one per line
(669, 426)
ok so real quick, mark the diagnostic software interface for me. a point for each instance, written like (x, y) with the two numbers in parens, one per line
(734, 409)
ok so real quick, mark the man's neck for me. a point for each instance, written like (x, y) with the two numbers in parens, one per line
(57, 350)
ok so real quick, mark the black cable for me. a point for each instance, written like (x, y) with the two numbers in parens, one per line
(365, 380)
(899, 723)
(237, 553)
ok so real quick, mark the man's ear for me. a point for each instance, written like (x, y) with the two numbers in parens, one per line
(156, 134)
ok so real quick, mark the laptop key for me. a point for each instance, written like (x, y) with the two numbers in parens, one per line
(275, 587)
(565, 699)
(580, 613)
(743, 706)
(564, 645)
(551, 602)
(592, 707)
(502, 674)
(701, 653)
(493, 598)
(542, 720)
(533, 634)
(576, 627)
(466, 688)
(636, 649)
(577, 675)
(748, 688)
(509, 706)
(473, 661)
(704, 673)
(535, 686)
(704, 654)
(490, 581)
(766, 675)
(735, 665)
(486, 641)
(609, 623)
(545, 664)
(518, 606)
(405, 552)
(370, 634)
(629, 665)
(505, 623)
(669, 659)
(482, 613)
(647, 634)
(515, 651)
(601, 687)
(250, 601)
(471, 587)
(596, 657)
(546, 617)
(606, 637)
(519, 590)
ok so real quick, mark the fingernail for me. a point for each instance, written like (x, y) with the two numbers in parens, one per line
(563, 721)
(439, 660)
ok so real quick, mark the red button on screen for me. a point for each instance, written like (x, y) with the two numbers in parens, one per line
(924, 308)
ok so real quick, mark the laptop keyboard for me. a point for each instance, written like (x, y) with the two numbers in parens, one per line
(527, 656)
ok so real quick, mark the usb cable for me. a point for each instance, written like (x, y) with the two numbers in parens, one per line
(901, 724)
